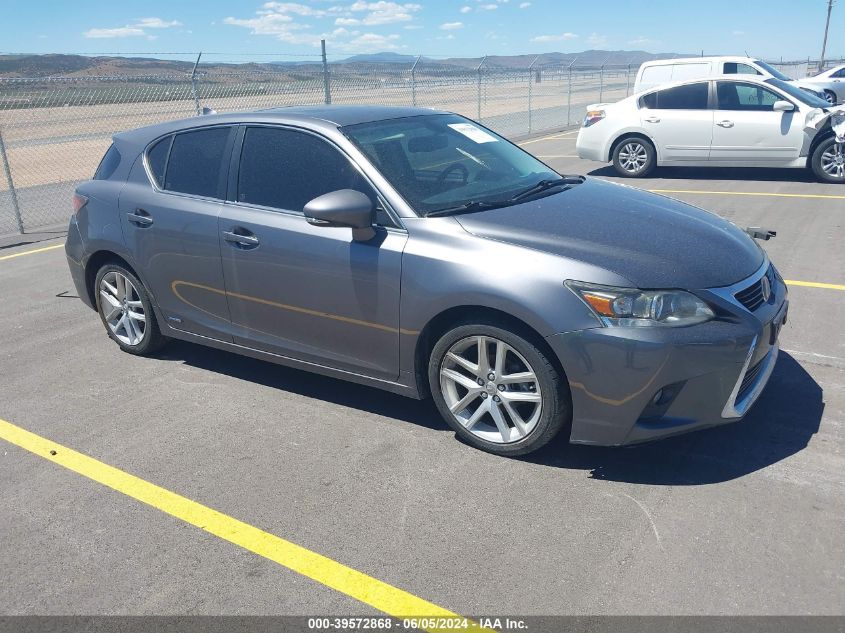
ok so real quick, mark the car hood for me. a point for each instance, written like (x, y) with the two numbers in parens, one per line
(651, 240)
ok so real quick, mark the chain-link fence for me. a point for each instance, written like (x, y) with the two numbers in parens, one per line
(53, 131)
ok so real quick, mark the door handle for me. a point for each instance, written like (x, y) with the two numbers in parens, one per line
(241, 240)
(725, 123)
(652, 119)
(139, 217)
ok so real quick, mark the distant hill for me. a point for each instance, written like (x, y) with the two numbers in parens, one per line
(58, 65)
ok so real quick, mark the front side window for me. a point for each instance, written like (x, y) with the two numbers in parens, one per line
(441, 161)
(739, 96)
(285, 169)
(735, 68)
(687, 97)
(196, 163)
(839, 74)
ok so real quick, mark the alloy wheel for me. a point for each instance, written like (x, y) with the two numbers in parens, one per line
(830, 97)
(491, 389)
(122, 308)
(833, 161)
(633, 157)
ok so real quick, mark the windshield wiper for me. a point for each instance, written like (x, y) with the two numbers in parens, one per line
(543, 185)
(472, 205)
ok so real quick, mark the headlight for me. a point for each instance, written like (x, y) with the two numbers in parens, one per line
(630, 307)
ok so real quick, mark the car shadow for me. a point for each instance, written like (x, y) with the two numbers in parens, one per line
(750, 174)
(781, 423)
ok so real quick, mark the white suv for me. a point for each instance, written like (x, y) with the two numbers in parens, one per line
(729, 121)
(663, 71)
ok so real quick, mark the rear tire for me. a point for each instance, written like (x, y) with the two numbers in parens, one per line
(830, 97)
(634, 157)
(126, 311)
(828, 161)
(523, 401)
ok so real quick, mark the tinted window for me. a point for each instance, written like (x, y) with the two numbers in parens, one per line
(196, 162)
(108, 165)
(285, 169)
(157, 159)
(839, 74)
(689, 97)
(734, 68)
(738, 96)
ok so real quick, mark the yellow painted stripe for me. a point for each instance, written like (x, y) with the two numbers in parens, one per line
(375, 593)
(547, 138)
(814, 284)
(750, 193)
(32, 252)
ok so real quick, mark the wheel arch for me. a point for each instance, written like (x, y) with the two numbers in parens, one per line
(93, 265)
(444, 321)
(825, 133)
(631, 134)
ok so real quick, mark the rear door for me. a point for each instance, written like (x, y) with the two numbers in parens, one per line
(171, 227)
(748, 132)
(680, 122)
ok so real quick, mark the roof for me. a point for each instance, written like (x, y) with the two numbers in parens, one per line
(316, 116)
(712, 58)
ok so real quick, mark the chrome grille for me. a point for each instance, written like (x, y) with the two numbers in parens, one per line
(752, 296)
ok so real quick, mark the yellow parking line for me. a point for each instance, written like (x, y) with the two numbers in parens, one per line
(750, 193)
(548, 138)
(32, 252)
(375, 593)
(814, 284)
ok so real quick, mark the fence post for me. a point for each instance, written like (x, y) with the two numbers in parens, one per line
(7, 168)
(569, 95)
(601, 83)
(628, 81)
(326, 85)
(478, 70)
(530, 85)
(414, 81)
(194, 85)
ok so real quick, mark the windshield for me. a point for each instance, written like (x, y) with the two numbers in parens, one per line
(774, 72)
(444, 161)
(798, 93)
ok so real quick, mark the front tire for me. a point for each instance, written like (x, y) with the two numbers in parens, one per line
(828, 161)
(830, 97)
(126, 311)
(634, 157)
(497, 390)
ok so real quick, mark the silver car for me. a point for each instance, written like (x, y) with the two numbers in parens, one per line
(418, 252)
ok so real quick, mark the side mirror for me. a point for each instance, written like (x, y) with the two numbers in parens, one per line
(783, 106)
(345, 207)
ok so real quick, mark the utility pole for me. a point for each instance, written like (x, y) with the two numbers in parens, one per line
(826, 28)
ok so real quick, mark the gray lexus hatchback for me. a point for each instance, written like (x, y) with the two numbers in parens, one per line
(417, 251)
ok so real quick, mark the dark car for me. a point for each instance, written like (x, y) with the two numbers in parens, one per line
(418, 252)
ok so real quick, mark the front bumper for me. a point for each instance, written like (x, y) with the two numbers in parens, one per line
(631, 385)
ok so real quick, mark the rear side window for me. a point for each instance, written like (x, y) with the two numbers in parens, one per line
(108, 165)
(196, 162)
(285, 169)
(689, 97)
(157, 159)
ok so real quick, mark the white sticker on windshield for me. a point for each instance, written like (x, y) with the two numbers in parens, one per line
(474, 133)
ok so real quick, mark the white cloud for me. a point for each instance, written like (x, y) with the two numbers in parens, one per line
(597, 40)
(135, 29)
(642, 41)
(347, 21)
(561, 37)
(452, 26)
(738, 33)
(384, 12)
(291, 7)
(156, 23)
(524, 5)
(466, 9)
(488, 7)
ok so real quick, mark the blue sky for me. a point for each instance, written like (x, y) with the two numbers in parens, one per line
(771, 28)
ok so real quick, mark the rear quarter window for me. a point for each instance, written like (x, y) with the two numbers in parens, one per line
(157, 160)
(108, 165)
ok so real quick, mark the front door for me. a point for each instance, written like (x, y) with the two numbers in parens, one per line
(303, 291)
(748, 132)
